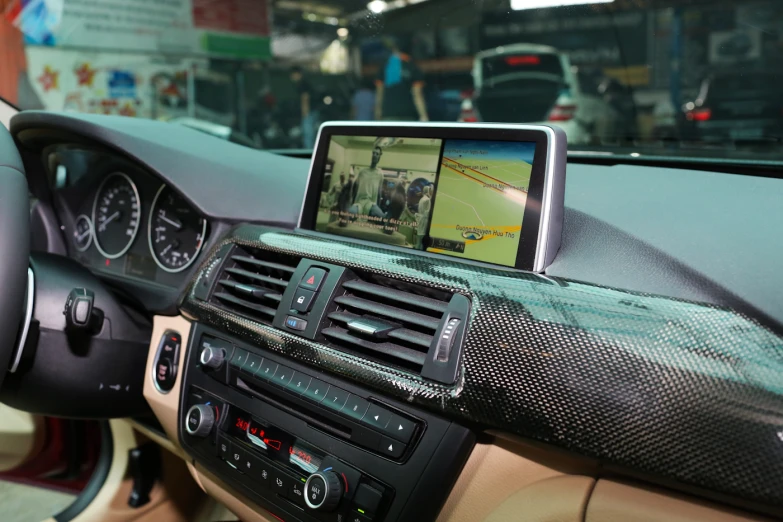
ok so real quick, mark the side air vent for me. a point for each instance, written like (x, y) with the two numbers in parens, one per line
(252, 282)
(385, 320)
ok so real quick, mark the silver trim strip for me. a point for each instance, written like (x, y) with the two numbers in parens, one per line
(28, 316)
(545, 224)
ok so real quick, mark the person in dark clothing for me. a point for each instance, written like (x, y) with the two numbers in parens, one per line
(309, 116)
(400, 89)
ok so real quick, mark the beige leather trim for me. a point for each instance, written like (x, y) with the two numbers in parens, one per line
(20, 435)
(619, 502)
(499, 472)
(162, 441)
(166, 405)
(556, 499)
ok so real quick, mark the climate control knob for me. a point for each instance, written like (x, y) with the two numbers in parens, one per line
(323, 490)
(199, 420)
(212, 357)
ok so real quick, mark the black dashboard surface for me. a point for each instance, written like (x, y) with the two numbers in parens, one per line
(703, 236)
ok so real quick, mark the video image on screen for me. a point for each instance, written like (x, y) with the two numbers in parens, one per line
(379, 189)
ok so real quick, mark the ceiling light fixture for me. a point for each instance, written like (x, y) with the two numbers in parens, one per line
(377, 6)
(342, 32)
(519, 5)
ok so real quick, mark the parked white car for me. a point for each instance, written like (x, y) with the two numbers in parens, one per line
(529, 83)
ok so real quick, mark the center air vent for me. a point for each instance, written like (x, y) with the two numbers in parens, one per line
(389, 321)
(253, 281)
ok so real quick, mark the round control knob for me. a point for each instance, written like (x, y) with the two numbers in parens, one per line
(323, 490)
(199, 420)
(212, 357)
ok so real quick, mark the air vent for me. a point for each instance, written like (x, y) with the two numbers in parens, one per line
(388, 321)
(252, 282)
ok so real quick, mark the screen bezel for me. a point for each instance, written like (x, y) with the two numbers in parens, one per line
(531, 220)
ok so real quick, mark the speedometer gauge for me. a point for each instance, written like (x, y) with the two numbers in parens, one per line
(116, 215)
(176, 231)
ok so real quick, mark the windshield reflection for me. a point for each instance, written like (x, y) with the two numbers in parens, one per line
(688, 79)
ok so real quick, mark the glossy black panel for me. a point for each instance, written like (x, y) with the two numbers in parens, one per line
(681, 392)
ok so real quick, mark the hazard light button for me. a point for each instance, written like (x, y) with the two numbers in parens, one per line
(313, 279)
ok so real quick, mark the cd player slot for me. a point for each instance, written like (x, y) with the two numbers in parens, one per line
(312, 418)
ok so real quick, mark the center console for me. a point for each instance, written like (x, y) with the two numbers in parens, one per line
(307, 446)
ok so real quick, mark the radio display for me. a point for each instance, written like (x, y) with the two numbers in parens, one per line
(276, 443)
(474, 193)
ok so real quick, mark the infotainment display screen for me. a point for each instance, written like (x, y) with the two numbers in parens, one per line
(475, 195)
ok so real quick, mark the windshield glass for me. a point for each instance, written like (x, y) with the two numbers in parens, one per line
(646, 77)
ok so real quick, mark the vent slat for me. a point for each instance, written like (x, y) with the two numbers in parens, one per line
(252, 282)
(256, 277)
(401, 334)
(251, 291)
(412, 337)
(264, 264)
(261, 309)
(397, 295)
(396, 314)
(386, 349)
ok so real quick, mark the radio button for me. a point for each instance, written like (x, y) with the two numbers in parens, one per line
(317, 390)
(267, 369)
(283, 375)
(239, 358)
(377, 417)
(335, 398)
(299, 382)
(224, 448)
(279, 482)
(391, 448)
(252, 364)
(296, 493)
(247, 462)
(400, 429)
(261, 472)
(355, 407)
(367, 499)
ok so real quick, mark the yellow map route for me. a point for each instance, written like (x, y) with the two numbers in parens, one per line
(480, 202)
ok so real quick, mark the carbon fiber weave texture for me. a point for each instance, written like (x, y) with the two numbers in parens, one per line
(678, 390)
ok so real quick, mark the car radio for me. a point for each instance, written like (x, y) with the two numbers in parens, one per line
(306, 446)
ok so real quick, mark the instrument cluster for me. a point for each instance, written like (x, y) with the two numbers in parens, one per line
(127, 222)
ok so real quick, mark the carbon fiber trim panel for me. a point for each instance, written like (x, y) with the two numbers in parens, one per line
(676, 390)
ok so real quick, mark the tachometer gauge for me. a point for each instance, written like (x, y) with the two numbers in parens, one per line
(82, 233)
(116, 215)
(176, 231)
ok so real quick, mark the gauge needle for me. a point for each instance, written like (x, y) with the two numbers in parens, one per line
(171, 222)
(111, 218)
(83, 236)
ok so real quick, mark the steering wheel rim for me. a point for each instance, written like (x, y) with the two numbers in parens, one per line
(14, 247)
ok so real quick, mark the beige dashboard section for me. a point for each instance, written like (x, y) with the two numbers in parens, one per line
(21, 435)
(506, 479)
(166, 405)
(619, 502)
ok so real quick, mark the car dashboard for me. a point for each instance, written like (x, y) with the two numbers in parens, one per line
(639, 352)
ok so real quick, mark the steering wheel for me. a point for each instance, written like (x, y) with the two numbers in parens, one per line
(14, 247)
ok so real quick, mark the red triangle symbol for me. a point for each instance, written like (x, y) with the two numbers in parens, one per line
(311, 280)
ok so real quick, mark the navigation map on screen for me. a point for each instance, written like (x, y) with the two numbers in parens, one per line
(480, 202)
(463, 198)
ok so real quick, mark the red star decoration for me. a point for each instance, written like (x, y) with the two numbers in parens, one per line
(48, 78)
(85, 74)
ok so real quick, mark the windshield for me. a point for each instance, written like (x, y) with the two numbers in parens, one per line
(646, 77)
